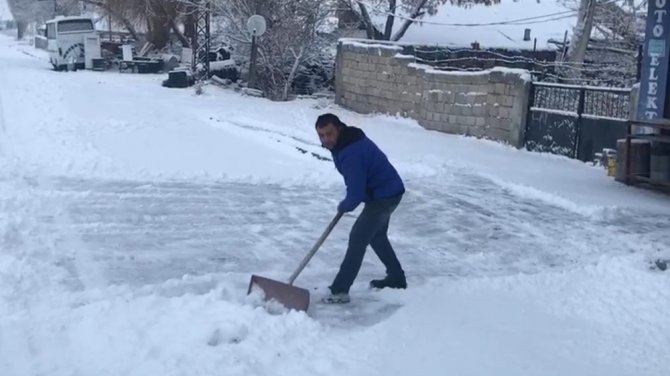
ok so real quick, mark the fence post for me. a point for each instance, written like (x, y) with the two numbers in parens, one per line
(529, 113)
(578, 131)
(638, 71)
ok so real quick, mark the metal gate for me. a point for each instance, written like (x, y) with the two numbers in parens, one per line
(575, 121)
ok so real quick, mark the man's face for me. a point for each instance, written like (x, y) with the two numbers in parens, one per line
(328, 136)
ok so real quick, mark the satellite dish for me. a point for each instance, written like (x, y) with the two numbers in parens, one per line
(256, 25)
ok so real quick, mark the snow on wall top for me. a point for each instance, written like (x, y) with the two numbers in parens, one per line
(499, 26)
(521, 73)
(396, 46)
(370, 44)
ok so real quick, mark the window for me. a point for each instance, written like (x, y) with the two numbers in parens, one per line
(75, 25)
(51, 31)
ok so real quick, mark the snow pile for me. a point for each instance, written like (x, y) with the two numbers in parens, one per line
(132, 334)
(602, 319)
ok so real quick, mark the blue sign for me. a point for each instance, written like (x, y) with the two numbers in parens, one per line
(654, 75)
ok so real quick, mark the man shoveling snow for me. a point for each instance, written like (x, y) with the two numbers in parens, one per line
(370, 178)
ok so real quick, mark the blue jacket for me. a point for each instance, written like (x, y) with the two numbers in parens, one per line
(367, 172)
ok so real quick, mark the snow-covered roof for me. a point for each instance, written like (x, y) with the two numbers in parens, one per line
(70, 18)
(497, 26)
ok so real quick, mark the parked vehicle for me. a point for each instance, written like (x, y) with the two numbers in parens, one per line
(67, 39)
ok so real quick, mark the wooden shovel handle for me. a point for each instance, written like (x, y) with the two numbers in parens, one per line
(315, 247)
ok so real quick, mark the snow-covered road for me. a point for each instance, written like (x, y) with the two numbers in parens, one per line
(147, 232)
(133, 216)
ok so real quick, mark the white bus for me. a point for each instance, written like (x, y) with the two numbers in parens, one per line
(67, 40)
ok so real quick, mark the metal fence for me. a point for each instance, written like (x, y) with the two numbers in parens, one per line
(543, 65)
(575, 121)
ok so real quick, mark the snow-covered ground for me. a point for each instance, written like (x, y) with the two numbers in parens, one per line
(132, 216)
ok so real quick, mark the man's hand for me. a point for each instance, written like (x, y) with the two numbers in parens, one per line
(344, 207)
(340, 208)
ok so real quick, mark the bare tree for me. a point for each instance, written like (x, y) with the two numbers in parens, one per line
(118, 14)
(29, 11)
(158, 17)
(407, 12)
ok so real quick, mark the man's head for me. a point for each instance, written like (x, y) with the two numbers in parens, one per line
(328, 126)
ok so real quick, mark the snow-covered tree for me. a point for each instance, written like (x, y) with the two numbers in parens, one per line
(605, 31)
(621, 23)
(381, 16)
(290, 40)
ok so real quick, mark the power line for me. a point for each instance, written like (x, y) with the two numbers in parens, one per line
(519, 21)
(377, 11)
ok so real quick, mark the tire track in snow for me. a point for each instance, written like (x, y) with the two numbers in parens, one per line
(302, 145)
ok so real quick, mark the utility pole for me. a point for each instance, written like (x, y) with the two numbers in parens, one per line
(582, 33)
(201, 43)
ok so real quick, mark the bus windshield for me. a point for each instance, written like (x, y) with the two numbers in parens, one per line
(74, 25)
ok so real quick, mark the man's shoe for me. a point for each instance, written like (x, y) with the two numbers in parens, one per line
(390, 282)
(336, 299)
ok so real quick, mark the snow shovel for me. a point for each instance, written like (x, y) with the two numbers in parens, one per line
(290, 296)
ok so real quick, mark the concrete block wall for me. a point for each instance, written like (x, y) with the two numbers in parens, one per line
(374, 77)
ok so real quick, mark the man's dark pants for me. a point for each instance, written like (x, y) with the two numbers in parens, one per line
(370, 228)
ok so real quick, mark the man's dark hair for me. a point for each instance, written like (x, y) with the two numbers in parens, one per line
(326, 119)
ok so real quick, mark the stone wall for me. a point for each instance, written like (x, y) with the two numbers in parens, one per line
(379, 78)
